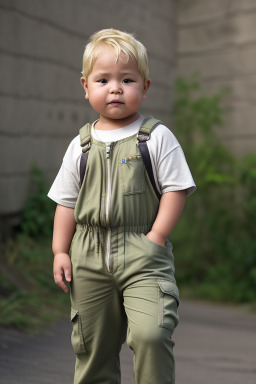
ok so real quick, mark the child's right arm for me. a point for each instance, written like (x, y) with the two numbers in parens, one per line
(63, 231)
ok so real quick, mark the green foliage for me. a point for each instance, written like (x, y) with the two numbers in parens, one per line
(248, 180)
(39, 301)
(33, 299)
(214, 241)
(38, 213)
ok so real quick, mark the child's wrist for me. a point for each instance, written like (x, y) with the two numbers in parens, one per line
(61, 254)
(156, 237)
(158, 233)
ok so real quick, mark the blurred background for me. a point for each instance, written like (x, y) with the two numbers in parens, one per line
(202, 64)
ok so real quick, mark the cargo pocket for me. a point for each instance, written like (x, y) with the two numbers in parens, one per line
(132, 174)
(77, 337)
(168, 304)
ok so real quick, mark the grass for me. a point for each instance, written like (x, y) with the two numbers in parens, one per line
(33, 300)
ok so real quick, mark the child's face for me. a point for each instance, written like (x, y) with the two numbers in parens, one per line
(115, 89)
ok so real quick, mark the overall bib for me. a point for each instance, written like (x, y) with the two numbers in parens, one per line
(123, 285)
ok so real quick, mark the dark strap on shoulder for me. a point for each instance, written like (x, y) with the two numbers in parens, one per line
(83, 163)
(147, 126)
(143, 147)
(85, 142)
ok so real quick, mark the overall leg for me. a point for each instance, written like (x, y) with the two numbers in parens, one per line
(99, 321)
(152, 317)
(151, 299)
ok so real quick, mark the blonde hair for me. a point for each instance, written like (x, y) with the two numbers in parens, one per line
(122, 42)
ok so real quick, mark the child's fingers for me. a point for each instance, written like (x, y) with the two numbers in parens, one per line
(58, 278)
(61, 269)
(67, 272)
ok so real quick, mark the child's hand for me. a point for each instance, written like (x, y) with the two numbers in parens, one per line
(61, 268)
(156, 238)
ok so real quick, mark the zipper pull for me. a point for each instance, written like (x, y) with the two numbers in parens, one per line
(108, 151)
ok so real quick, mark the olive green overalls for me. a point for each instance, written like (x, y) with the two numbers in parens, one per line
(123, 285)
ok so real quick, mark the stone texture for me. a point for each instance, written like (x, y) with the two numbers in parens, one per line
(194, 12)
(218, 40)
(42, 104)
(221, 64)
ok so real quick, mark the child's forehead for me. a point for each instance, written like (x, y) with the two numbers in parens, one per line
(112, 53)
(109, 57)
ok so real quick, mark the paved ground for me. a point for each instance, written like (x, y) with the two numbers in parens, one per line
(213, 345)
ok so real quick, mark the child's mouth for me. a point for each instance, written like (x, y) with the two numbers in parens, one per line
(115, 102)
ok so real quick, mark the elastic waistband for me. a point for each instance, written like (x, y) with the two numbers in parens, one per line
(126, 228)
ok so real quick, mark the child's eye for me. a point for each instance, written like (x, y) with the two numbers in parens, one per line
(127, 81)
(102, 81)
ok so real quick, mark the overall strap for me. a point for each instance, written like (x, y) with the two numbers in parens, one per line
(85, 142)
(147, 126)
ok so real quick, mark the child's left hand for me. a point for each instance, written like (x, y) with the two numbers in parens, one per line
(156, 238)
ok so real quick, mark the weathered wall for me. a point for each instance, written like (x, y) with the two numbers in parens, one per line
(218, 40)
(41, 101)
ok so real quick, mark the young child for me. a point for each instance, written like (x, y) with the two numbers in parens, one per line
(110, 238)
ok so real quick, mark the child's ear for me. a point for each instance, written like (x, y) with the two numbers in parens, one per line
(84, 85)
(146, 87)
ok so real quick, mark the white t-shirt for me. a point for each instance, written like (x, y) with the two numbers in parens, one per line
(171, 171)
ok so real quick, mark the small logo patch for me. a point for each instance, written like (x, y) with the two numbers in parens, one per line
(123, 161)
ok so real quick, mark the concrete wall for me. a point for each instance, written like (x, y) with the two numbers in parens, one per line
(42, 104)
(218, 39)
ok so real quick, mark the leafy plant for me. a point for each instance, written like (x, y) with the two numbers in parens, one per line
(39, 300)
(28, 294)
(38, 213)
(214, 240)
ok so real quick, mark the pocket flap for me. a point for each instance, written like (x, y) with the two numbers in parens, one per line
(170, 288)
(73, 315)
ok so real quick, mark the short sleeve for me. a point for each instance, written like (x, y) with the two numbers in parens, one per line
(65, 188)
(169, 164)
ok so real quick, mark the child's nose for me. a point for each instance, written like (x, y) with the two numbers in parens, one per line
(116, 88)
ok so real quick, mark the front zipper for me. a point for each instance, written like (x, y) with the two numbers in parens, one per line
(109, 192)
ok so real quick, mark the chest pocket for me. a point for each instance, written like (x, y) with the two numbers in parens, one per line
(132, 172)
